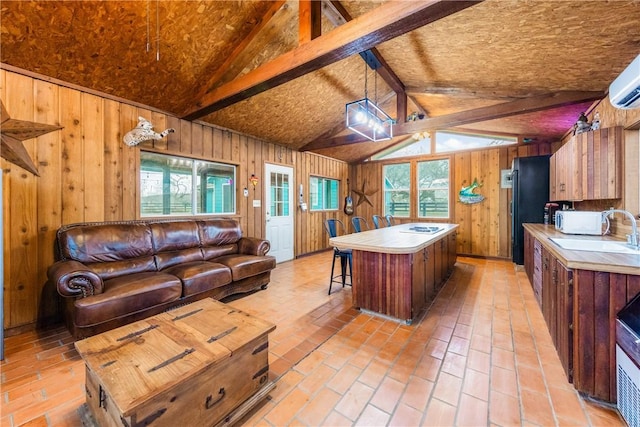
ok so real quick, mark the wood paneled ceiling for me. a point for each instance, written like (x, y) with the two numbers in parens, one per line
(256, 67)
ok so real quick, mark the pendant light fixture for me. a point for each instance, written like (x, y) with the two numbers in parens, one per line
(367, 119)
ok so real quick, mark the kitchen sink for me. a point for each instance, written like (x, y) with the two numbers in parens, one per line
(594, 245)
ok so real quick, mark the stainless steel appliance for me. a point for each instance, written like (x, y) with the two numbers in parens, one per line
(530, 193)
(628, 362)
(579, 222)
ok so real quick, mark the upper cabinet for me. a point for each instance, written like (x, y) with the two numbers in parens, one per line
(588, 166)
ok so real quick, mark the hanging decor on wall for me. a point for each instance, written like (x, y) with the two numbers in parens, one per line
(13, 133)
(253, 180)
(467, 195)
(144, 132)
(363, 194)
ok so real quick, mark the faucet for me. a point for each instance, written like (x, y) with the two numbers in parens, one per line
(632, 239)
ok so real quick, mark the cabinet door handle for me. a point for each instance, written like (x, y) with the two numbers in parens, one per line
(210, 403)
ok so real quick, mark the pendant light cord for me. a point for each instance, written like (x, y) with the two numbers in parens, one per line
(365, 79)
(157, 31)
(148, 27)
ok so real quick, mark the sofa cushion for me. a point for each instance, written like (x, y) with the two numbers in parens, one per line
(89, 243)
(243, 266)
(219, 232)
(125, 295)
(110, 270)
(200, 276)
(174, 235)
(211, 252)
(165, 260)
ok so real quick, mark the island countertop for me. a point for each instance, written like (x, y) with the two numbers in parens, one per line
(398, 239)
(585, 260)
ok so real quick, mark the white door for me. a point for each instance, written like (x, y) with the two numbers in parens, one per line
(279, 210)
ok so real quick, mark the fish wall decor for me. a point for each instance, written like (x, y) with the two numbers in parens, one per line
(467, 195)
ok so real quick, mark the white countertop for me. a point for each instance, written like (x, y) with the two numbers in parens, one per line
(399, 239)
(585, 260)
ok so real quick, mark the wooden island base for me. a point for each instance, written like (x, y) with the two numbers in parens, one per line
(397, 272)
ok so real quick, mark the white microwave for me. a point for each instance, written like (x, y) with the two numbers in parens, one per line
(579, 222)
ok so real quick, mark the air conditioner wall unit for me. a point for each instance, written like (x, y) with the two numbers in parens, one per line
(624, 91)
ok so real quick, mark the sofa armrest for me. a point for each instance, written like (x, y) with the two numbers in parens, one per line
(253, 246)
(74, 279)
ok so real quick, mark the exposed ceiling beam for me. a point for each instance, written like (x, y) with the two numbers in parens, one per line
(507, 109)
(240, 55)
(386, 22)
(383, 69)
(309, 21)
(487, 93)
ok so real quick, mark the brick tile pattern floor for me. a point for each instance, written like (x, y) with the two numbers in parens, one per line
(480, 355)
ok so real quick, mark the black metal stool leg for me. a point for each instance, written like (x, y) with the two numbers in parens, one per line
(333, 265)
(343, 266)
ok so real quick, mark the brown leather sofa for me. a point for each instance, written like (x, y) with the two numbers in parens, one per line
(114, 273)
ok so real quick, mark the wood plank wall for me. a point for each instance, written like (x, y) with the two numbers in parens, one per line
(485, 228)
(88, 174)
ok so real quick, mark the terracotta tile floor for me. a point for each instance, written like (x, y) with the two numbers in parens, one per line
(481, 355)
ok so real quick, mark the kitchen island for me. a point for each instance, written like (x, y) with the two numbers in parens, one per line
(398, 270)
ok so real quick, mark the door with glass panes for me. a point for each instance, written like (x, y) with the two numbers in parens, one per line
(279, 210)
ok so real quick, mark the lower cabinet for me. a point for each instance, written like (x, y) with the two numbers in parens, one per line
(557, 307)
(401, 285)
(580, 308)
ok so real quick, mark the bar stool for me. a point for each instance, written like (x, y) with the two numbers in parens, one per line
(390, 220)
(335, 227)
(379, 220)
(359, 224)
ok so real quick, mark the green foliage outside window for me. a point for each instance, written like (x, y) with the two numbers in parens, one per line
(323, 193)
(171, 185)
(397, 189)
(433, 189)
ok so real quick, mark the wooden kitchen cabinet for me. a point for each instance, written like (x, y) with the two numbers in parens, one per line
(588, 167)
(552, 284)
(564, 172)
(563, 278)
(452, 252)
(601, 163)
(580, 309)
(557, 307)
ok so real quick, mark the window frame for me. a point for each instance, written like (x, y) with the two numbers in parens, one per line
(197, 194)
(324, 205)
(399, 190)
(420, 189)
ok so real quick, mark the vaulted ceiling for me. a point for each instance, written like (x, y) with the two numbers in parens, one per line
(283, 71)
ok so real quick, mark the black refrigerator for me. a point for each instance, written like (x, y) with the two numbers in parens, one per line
(530, 192)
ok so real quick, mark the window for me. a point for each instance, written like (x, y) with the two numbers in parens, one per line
(323, 193)
(279, 194)
(397, 187)
(433, 189)
(453, 141)
(171, 185)
(419, 144)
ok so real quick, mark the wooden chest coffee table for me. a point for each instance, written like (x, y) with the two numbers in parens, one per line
(201, 364)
